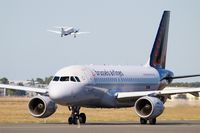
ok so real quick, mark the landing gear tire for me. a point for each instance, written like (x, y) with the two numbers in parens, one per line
(152, 121)
(75, 117)
(82, 118)
(143, 121)
(73, 120)
(70, 120)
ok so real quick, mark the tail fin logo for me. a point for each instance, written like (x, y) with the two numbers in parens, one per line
(159, 50)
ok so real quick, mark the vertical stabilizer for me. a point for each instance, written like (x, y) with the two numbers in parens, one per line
(159, 50)
(62, 32)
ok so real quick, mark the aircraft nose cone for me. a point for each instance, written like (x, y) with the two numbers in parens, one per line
(65, 93)
(60, 94)
(55, 95)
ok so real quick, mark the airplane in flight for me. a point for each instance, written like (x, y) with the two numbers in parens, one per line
(65, 31)
(109, 86)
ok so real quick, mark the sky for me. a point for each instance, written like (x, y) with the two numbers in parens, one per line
(122, 32)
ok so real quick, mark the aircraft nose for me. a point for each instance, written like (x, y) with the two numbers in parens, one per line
(60, 94)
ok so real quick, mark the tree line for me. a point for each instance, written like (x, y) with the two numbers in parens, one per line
(39, 81)
(46, 80)
(185, 84)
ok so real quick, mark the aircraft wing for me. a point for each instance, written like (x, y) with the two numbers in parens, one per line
(166, 92)
(57, 32)
(24, 88)
(82, 33)
(65, 27)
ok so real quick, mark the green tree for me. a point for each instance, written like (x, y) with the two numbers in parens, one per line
(4, 80)
(48, 79)
(40, 80)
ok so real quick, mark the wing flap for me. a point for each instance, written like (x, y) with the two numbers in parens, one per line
(24, 88)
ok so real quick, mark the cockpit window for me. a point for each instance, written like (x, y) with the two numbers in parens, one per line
(56, 78)
(64, 78)
(77, 79)
(72, 79)
(67, 78)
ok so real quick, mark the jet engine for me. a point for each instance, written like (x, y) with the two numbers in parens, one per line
(41, 106)
(149, 107)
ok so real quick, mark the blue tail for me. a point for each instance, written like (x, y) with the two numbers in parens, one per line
(159, 50)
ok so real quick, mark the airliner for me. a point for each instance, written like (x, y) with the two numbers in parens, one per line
(111, 86)
(65, 31)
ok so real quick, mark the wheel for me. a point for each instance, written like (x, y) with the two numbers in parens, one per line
(75, 120)
(143, 121)
(82, 118)
(152, 121)
(70, 120)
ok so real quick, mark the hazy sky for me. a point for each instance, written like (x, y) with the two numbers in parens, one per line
(122, 32)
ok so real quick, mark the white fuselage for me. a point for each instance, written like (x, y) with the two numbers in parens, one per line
(69, 30)
(99, 84)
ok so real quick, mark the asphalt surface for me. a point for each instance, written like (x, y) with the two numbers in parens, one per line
(125, 127)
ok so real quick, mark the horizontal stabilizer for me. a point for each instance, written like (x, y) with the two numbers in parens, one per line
(180, 77)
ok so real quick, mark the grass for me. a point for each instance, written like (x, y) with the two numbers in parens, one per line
(14, 110)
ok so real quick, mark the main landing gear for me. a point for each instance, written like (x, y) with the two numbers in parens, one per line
(76, 117)
(151, 121)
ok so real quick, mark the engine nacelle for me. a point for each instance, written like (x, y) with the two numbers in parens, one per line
(41, 106)
(149, 107)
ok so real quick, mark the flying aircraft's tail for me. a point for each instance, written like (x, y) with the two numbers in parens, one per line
(62, 32)
(159, 50)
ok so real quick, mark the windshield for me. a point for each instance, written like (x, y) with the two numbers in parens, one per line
(67, 78)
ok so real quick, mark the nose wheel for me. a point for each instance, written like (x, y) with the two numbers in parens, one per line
(151, 121)
(75, 116)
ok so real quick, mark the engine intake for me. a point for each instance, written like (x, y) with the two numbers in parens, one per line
(149, 107)
(41, 106)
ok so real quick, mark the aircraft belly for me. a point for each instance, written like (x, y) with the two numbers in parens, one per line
(109, 99)
(103, 95)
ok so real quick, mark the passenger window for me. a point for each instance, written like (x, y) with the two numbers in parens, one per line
(64, 78)
(77, 79)
(56, 78)
(72, 79)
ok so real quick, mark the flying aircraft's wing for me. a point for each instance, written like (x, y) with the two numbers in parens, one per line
(57, 32)
(81, 33)
(24, 88)
(59, 27)
(166, 92)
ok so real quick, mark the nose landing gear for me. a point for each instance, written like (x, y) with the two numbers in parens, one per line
(151, 121)
(76, 116)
